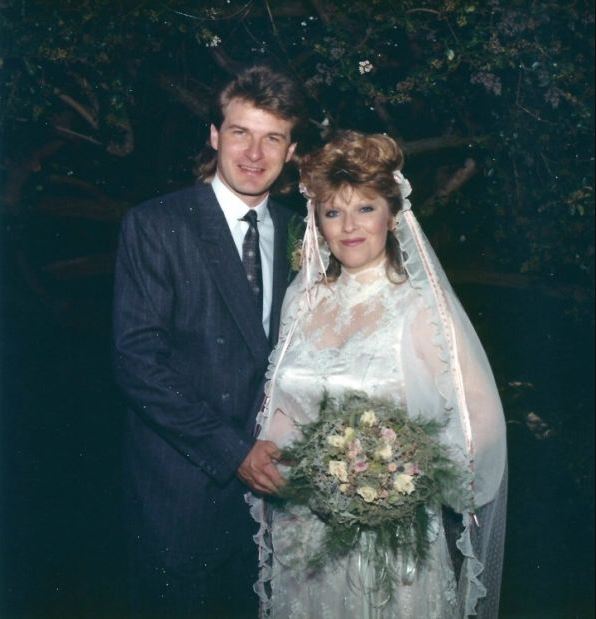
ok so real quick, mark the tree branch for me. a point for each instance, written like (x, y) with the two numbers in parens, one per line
(191, 101)
(428, 145)
(79, 108)
(123, 147)
(321, 11)
(521, 281)
(278, 38)
(461, 176)
(86, 208)
(386, 118)
(20, 173)
(79, 183)
(75, 134)
(84, 266)
(224, 61)
(432, 11)
(452, 184)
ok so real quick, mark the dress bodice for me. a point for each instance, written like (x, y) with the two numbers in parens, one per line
(349, 341)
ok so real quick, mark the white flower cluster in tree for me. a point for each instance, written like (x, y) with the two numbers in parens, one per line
(365, 66)
(214, 41)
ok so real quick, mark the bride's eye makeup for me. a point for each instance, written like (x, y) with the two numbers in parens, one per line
(331, 213)
(367, 208)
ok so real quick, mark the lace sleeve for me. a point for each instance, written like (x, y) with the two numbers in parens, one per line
(480, 392)
(422, 341)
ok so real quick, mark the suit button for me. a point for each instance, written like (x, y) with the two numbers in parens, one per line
(221, 341)
(225, 396)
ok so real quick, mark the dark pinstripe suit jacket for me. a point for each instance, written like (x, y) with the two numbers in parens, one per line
(190, 355)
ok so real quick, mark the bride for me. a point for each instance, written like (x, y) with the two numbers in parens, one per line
(371, 311)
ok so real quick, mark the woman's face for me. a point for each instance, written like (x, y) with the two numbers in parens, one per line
(355, 225)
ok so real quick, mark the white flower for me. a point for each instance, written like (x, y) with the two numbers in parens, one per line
(335, 440)
(367, 493)
(344, 487)
(338, 469)
(385, 453)
(213, 42)
(365, 66)
(349, 434)
(404, 484)
(368, 418)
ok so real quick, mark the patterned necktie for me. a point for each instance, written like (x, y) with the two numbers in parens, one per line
(251, 257)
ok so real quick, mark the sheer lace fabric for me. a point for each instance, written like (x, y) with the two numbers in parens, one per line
(412, 343)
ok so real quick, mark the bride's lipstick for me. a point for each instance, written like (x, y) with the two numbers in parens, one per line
(352, 242)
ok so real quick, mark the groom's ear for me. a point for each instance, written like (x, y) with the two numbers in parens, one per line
(214, 136)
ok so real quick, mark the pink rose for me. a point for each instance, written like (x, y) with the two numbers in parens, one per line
(388, 435)
(410, 468)
(354, 448)
(360, 466)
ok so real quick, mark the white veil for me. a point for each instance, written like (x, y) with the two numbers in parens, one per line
(476, 421)
(465, 395)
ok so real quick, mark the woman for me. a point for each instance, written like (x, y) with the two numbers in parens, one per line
(372, 311)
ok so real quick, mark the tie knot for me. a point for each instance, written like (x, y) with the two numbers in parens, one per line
(251, 218)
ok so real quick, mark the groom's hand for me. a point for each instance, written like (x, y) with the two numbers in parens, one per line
(258, 469)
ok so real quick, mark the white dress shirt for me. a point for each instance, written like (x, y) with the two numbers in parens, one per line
(234, 209)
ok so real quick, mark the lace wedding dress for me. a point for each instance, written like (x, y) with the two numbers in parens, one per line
(408, 341)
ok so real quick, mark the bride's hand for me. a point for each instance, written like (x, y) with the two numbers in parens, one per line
(258, 470)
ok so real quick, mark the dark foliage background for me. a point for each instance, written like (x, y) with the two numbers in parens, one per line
(104, 104)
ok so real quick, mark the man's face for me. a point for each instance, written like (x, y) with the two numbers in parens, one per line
(252, 147)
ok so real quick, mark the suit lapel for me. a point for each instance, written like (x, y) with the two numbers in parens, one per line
(280, 268)
(227, 272)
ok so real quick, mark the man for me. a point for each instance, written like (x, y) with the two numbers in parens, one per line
(198, 294)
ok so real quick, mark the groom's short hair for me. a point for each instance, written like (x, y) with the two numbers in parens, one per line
(265, 88)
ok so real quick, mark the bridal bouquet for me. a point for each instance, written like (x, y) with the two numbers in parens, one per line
(364, 465)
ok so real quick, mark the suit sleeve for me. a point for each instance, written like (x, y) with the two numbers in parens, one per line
(143, 306)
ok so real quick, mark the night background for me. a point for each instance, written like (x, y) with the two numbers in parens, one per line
(105, 104)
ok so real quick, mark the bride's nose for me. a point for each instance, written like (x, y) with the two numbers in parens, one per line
(349, 223)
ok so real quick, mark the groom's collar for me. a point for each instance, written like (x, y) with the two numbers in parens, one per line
(232, 206)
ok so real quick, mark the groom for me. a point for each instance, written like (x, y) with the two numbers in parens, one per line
(200, 278)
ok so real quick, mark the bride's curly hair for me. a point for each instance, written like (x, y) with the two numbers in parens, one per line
(353, 160)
